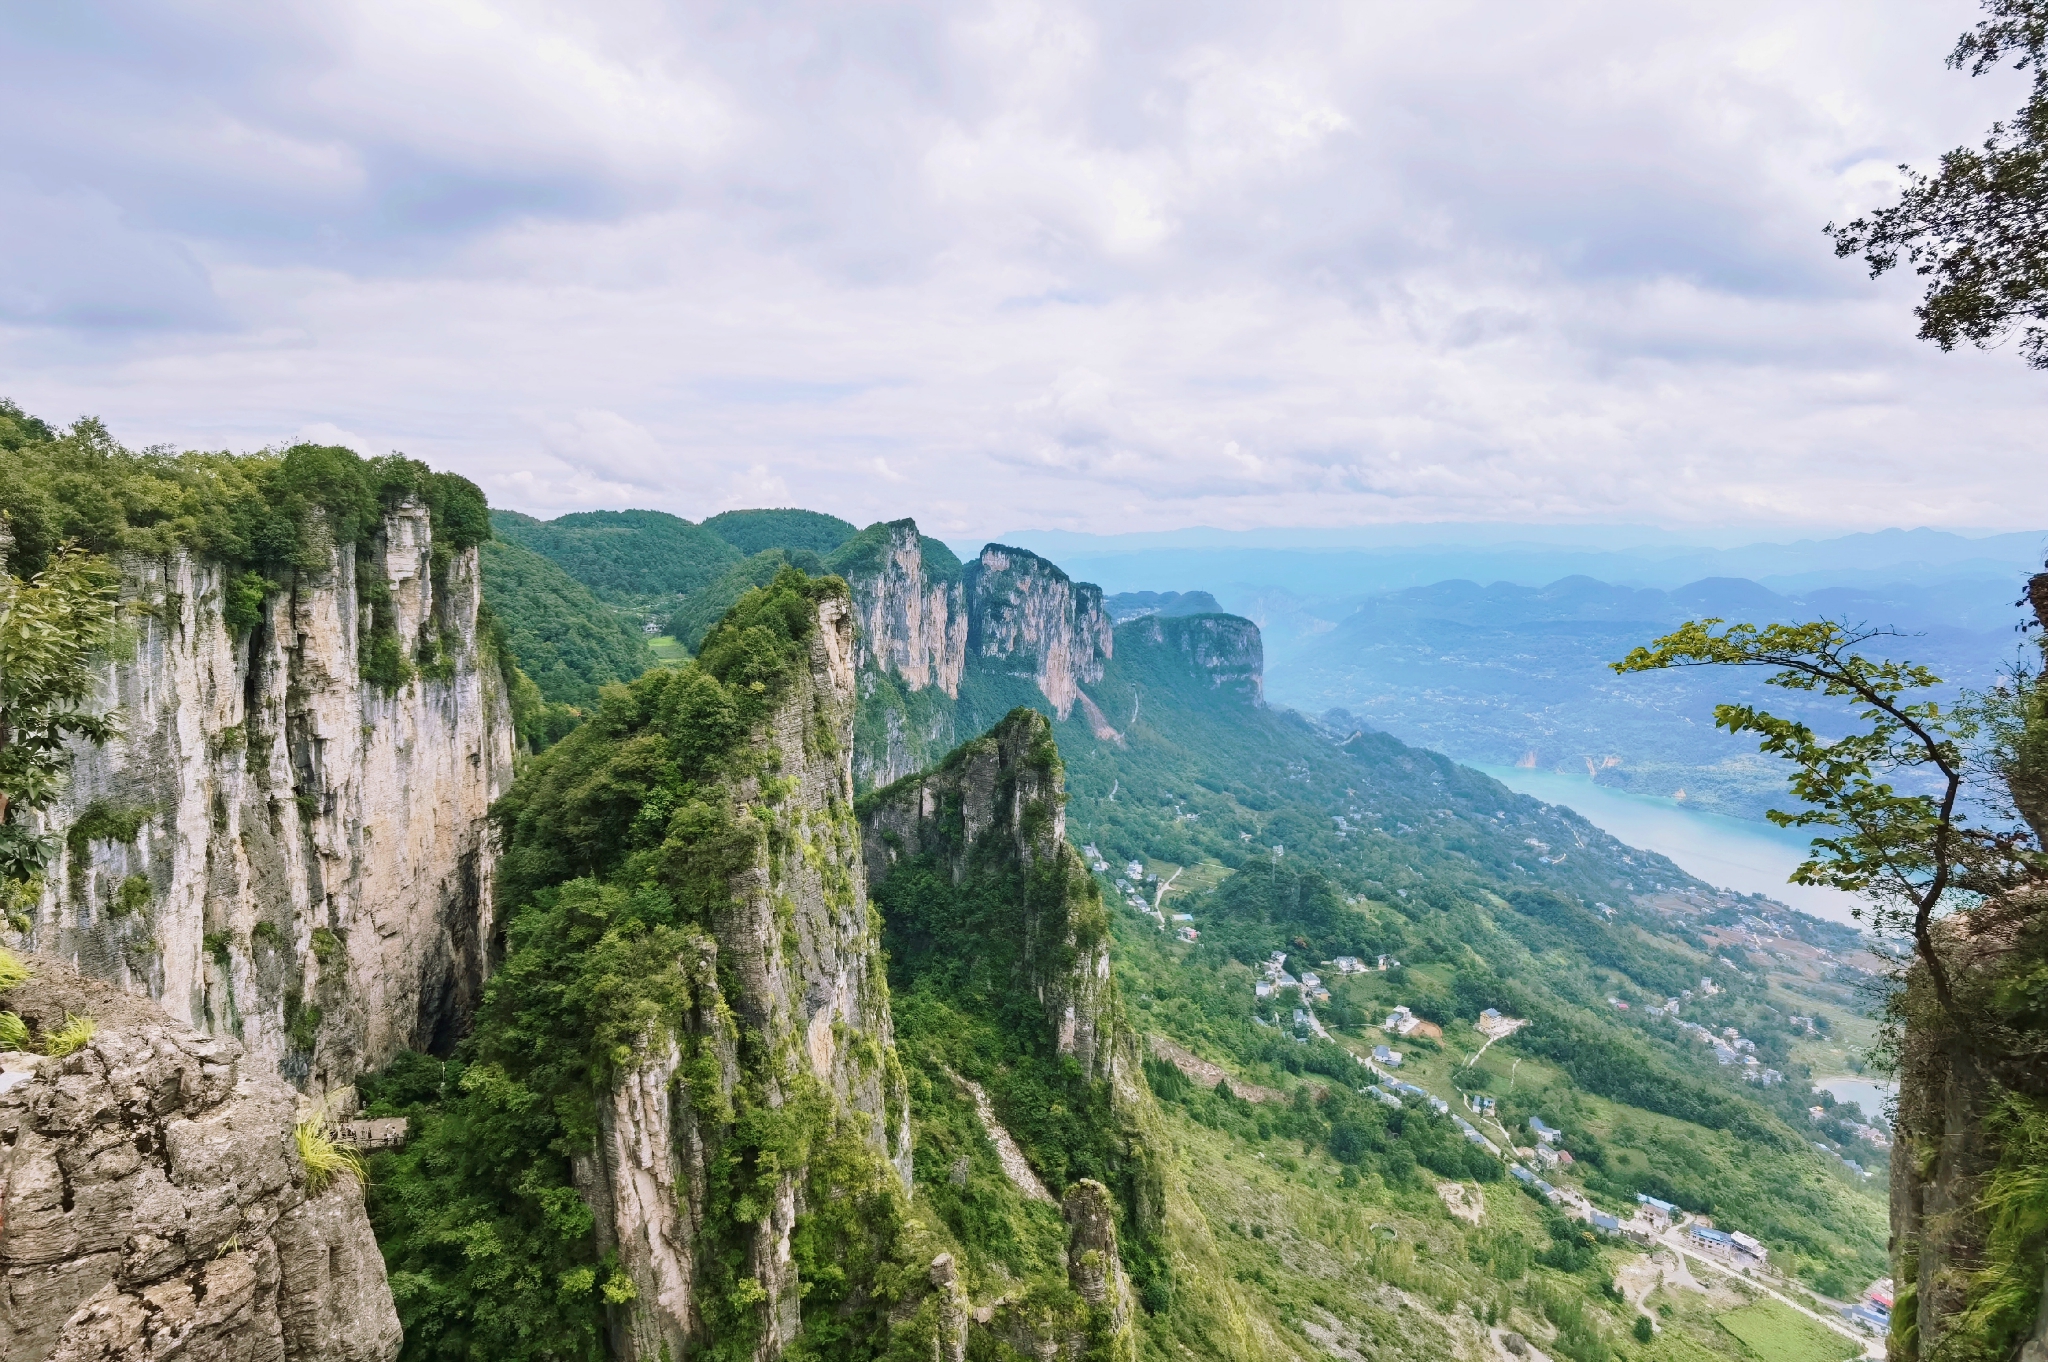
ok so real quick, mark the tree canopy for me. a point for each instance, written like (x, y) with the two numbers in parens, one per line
(1977, 228)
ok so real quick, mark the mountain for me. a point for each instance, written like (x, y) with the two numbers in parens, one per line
(1131, 604)
(564, 637)
(628, 558)
(1508, 675)
(933, 965)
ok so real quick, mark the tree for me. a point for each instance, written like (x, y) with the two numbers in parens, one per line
(53, 630)
(1977, 229)
(1909, 853)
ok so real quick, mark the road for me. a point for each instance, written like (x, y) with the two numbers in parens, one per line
(1675, 1238)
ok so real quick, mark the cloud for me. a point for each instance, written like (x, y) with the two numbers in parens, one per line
(1019, 262)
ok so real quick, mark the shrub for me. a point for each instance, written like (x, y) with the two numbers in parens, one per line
(132, 897)
(74, 1035)
(324, 1158)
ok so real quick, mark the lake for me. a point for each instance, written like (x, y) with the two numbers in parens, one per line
(1732, 853)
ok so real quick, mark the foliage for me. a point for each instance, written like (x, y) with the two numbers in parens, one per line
(1974, 229)
(564, 638)
(2004, 1292)
(754, 532)
(13, 1032)
(323, 1157)
(700, 611)
(621, 844)
(624, 556)
(13, 974)
(54, 629)
(1906, 851)
(74, 1035)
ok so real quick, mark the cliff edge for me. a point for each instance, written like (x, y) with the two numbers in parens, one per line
(153, 1204)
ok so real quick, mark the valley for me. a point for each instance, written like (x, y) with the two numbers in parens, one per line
(819, 1009)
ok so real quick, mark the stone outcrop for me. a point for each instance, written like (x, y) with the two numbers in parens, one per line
(911, 607)
(152, 1203)
(274, 848)
(1095, 1269)
(998, 802)
(1025, 612)
(793, 960)
(1224, 652)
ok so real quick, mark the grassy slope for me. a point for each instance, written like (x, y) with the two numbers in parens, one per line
(1436, 858)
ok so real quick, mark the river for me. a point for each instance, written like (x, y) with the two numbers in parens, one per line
(1732, 853)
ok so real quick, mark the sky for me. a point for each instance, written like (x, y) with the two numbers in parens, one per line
(1093, 268)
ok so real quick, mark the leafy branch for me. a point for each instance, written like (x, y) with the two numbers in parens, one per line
(54, 629)
(1906, 851)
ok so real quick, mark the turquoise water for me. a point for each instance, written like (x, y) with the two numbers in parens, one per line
(1733, 853)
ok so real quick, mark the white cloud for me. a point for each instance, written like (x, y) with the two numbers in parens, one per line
(1006, 263)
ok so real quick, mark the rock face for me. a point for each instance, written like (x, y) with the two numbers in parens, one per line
(1094, 1267)
(999, 802)
(276, 849)
(911, 606)
(155, 1205)
(1224, 651)
(793, 960)
(1025, 611)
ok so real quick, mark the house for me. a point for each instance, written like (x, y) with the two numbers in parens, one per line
(1136, 870)
(1349, 964)
(1383, 1095)
(1387, 962)
(1655, 1209)
(1549, 1134)
(1617, 1004)
(1521, 1174)
(1707, 1237)
(1605, 1223)
(1481, 1105)
(1390, 1058)
(1183, 917)
(1262, 988)
(1438, 1105)
(1402, 1022)
(1748, 1246)
(1188, 934)
(1321, 995)
(1310, 979)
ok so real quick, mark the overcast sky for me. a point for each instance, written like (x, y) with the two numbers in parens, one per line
(1092, 267)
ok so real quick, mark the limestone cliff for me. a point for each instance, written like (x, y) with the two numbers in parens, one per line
(789, 972)
(999, 803)
(928, 626)
(275, 848)
(1224, 651)
(910, 608)
(1026, 613)
(152, 1203)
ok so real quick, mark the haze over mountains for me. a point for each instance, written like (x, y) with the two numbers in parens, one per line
(1491, 643)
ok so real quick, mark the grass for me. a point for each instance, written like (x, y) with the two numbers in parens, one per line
(13, 973)
(1777, 1333)
(74, 1035)
(667, 651)
(324, 1158)
(13, 1032)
